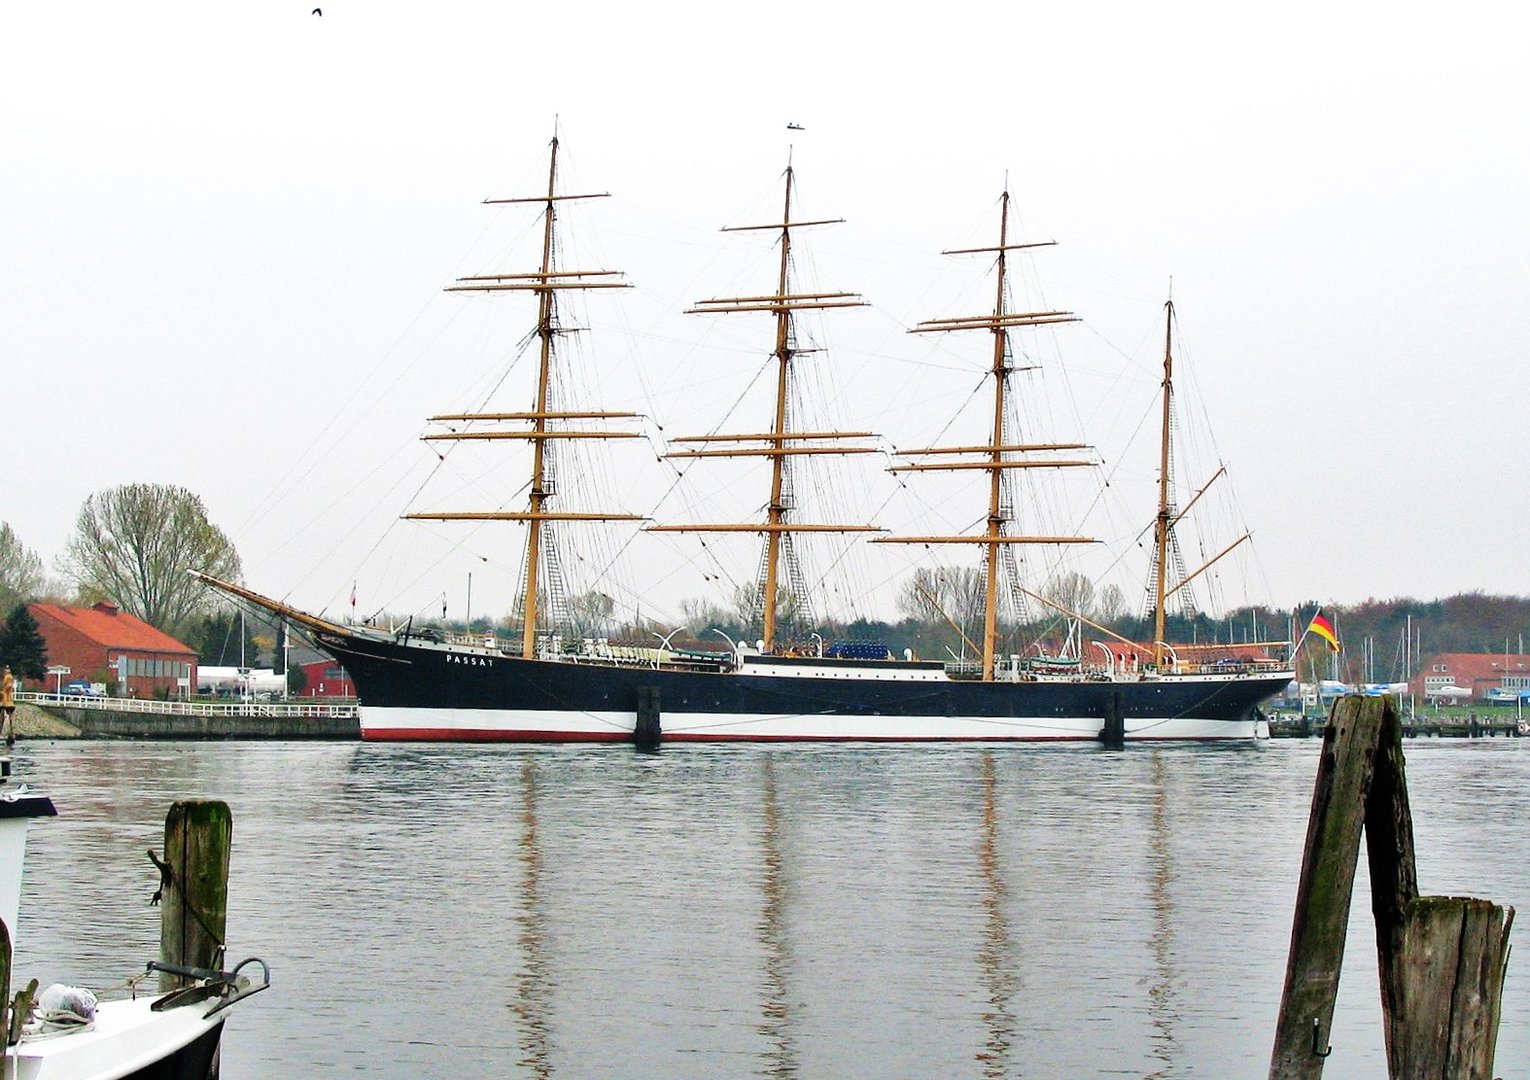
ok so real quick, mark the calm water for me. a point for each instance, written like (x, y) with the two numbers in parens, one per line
(723, 912)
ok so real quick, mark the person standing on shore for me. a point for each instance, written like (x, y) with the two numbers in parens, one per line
(8, 706)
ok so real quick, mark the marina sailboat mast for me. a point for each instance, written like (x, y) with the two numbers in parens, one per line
(544, 423)
(782, 442)
(1000, 454)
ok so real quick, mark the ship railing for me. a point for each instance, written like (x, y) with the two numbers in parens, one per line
(1020, 668)
(602, 651)
(474, 641)
(1225, 667)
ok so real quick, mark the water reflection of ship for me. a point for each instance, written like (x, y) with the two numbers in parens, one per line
(1163, 989)
(532, 1000)
(998, 967)
(1000, 975)
(780, 1056)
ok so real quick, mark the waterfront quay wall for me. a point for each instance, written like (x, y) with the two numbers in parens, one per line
(115, 719)
(101, 725)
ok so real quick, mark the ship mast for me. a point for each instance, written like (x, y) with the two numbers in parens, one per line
(998, 455)
(546, 283)
(780, 443)
(1162, 524)
(1166, 548)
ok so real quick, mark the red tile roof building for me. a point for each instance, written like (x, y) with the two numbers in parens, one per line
(106, 644)
(1477, 672)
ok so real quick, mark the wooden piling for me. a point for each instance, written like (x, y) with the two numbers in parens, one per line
(1390, 859)
(647, 732)
(194, 889)
(1113, 734)
(1441, 960)
(1323, 894)
(1455, 954)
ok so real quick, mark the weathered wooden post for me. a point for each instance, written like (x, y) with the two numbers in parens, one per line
(1441, 960)
(1326, 886)
(194, 887)
(1454, 956)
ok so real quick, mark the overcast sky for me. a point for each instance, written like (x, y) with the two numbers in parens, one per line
(227, 228)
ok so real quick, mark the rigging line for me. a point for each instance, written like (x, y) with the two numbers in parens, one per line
(522, 347)
(451, 549)
(355, 524)
(356, 568)
(1111, 472)
(277, 494)
(1195, 397)
(1145, 369)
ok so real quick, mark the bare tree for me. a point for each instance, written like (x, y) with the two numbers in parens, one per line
(590, 613)
(942, 594)
(1111, 605)
(699, 614)
(748, 611)
(1072, 591)
(21, 571)
(134, 544)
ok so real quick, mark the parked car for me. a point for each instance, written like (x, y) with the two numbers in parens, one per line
(80, 688)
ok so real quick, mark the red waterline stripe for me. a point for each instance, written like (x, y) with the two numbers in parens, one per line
(519, 735)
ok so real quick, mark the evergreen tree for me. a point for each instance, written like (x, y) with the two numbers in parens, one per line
(216, 640)
(22, 647)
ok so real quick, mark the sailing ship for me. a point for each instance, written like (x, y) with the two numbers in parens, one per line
(428, 685)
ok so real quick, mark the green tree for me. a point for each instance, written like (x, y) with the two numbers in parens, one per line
(134, 544)
(22, 647)
(215, 637)
(21, 571)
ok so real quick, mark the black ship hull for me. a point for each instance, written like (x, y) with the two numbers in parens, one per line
(432, 691)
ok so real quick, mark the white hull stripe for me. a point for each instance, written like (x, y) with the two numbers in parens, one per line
(534, 726)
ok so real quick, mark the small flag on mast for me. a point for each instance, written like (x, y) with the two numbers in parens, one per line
(1324, 629)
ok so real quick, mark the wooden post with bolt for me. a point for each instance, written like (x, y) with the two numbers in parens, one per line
(1442, 960)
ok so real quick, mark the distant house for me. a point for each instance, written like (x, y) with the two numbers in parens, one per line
(326, 678)
(1487, 676)
(104, 644)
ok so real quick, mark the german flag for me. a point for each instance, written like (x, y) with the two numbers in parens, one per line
(1322, 628)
